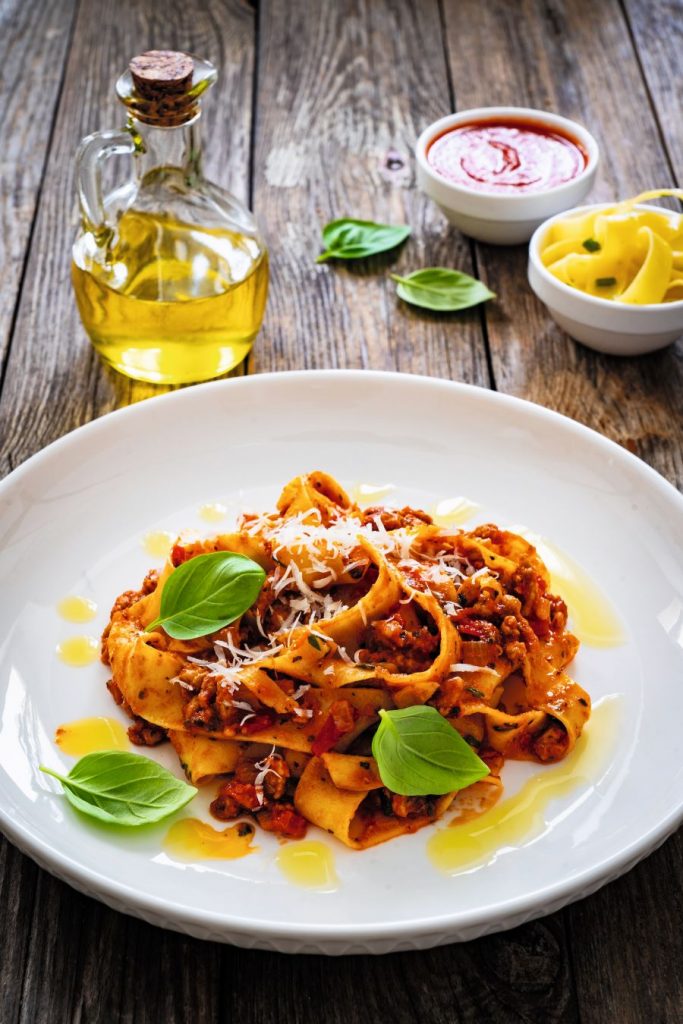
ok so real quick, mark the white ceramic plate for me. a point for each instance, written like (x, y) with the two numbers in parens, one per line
(72, 519)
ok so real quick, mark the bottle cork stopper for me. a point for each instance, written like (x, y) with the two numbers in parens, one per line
(159, 73)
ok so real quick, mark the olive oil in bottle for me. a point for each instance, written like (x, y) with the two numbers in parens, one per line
(169, 271)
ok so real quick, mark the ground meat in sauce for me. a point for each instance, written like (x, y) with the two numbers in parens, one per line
(274, 811)
(210, 709)
(394, 518)
(392, 805)
(410, 806)
(401, 641)
(551, 745)
(142, 733)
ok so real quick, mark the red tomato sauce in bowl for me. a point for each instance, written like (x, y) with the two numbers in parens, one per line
(506, 157)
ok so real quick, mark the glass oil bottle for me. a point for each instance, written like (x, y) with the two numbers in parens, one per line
(169, 270)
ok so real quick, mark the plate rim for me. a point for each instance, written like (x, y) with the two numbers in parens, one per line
(475, 921)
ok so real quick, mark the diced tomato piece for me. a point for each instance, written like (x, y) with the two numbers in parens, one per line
(243, 793)
(284, 820)
(264, 720)
(478, 628)
(179, 554)
(541, 627)
(340, 721)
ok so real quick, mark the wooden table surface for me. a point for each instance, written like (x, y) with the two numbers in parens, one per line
(315, 116)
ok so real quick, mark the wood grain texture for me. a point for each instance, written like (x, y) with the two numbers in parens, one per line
(50, 350)
(626, 944)
(342, 97)
(657, 30)
(578, 60)
(34, 41)
(73, 959)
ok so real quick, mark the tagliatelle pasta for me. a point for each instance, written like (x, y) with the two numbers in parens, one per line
(620, 252)
(361, 610)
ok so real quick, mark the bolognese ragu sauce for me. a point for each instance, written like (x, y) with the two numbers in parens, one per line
(508, 156)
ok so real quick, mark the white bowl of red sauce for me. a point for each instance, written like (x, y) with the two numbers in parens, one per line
(498, 172)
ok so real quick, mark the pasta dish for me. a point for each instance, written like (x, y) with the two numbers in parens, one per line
(361, 613)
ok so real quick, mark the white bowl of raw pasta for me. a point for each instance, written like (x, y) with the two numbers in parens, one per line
(611, 275)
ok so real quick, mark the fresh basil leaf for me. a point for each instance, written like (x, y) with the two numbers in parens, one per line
(440, 289)
(208, 592)
(122, 788)
(419, 754)
(349, 239)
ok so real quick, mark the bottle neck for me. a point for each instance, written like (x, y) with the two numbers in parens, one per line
(177, 148)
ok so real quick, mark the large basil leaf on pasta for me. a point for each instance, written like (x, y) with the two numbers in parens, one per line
(419, 754)
(123, 789)
(208, 592)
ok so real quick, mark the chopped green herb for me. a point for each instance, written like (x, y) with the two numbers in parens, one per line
(591, 245)
(474, 691)
(605, 282)
(314, 642)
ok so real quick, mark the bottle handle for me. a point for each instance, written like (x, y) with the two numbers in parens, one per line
(92, 152)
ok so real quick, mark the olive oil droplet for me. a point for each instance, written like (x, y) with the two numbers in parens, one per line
(77, 609)
(191, 839)
(158, 543)
(309, 864)
(213, 512)
(88, 735)
(454, 511)
(78, 651)
(370, 494)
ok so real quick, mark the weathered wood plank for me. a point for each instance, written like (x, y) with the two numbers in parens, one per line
(52, 369)
(657, 29)
(576, 59)
(514, 978)
(342, 96)
(53, 383)
(33, 44)
(626, 941)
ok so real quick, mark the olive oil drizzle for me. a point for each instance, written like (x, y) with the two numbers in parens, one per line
(191, 839)
(591, 614)
(473, 841)
(88, 735)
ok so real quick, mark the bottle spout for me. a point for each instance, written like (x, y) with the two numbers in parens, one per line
(162, 87)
